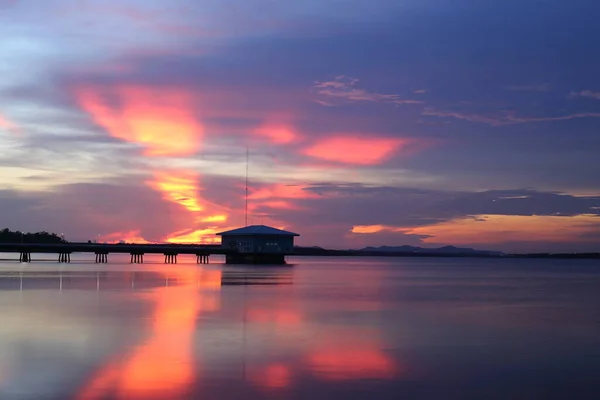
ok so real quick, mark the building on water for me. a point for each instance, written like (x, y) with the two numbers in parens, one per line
(257, 244)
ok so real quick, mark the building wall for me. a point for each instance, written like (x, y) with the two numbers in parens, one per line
(259, 244)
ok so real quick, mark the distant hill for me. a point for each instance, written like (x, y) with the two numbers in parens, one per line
(439, 250)
(406, 251)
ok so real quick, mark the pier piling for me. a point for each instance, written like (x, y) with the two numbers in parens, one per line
(64, 257)
(202, 258)
(137, 258)
(170, 258)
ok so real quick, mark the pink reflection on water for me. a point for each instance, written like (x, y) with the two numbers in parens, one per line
(163, 366)
(344, 364)
(273, 377)
(342, 353)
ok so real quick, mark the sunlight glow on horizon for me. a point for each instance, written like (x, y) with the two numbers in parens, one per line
(488, 229)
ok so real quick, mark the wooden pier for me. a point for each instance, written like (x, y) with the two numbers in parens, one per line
(255, 244)
(28, 251)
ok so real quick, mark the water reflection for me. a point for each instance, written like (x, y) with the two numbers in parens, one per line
(162, 332)
(359, 355)
(330, 329)
(272, 377)
(163, 366)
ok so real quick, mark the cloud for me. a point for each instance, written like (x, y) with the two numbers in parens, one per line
(160, 119)
(355, 150)
(395, 216)
(344, 89)
(205, 218)
(277, 132)
(83, 211)
(179, 187)
(507, 118)
(280, 191)
(168, 207)
(499, 229)
(522, 203)
(326, 214)
(585, 94)
(368, 229)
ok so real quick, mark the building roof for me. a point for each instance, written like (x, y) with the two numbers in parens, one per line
(254, 230)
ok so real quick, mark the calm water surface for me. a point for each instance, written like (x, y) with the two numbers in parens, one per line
(323, 328)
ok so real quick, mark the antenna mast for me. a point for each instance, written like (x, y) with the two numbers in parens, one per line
(246, 213)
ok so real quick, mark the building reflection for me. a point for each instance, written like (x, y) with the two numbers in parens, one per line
(257, 275)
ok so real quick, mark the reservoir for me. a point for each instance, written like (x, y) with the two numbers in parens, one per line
(318, 328)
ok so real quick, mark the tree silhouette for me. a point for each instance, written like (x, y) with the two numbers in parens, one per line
(8, 236)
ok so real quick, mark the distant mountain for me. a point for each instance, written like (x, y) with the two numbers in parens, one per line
(421, 250)
(446, 251)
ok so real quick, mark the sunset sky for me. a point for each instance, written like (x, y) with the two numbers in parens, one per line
(382, 122)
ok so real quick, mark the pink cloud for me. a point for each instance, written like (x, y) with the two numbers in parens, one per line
(355, 150)
(278, 133)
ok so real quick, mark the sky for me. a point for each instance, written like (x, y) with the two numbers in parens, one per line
(387, 122)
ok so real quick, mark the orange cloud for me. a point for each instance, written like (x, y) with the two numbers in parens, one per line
(199, 236)
(502, 228)
(160, 119)
(355, 150)
(215, 218)
(180, 187)
(365, 229)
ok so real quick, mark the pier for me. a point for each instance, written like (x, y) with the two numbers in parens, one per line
(255, 244)
(28, 251)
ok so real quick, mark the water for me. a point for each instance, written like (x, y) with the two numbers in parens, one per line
(324, 328)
